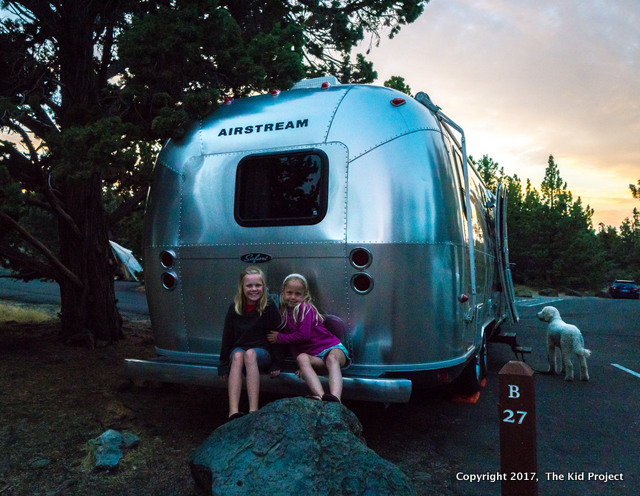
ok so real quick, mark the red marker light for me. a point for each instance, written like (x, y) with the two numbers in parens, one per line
(325, 85)
(275, 92)
(396, 102)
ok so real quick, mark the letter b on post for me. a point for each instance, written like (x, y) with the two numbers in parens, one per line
(514, 391)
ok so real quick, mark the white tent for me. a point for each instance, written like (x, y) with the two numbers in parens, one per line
(128, 263)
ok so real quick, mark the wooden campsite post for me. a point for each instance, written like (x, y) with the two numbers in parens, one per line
(518, 448)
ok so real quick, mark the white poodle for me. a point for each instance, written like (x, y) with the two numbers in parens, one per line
(569, 339)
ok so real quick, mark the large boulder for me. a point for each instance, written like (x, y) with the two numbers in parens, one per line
(295, 446)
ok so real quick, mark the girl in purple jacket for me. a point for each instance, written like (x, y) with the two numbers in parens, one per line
(315, 348)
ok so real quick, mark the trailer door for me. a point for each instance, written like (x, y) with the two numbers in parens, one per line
(502, 253)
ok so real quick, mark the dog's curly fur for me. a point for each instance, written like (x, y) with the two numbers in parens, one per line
(569, 339)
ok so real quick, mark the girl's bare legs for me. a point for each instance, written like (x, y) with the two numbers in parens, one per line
(253, 379)
(235, 381)
(307, 365)
(335, 360)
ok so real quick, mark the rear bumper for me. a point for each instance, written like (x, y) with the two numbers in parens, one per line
(628, 296)
(354, 388)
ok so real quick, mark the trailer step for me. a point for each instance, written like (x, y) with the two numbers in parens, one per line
(521, 350)
(511, 339)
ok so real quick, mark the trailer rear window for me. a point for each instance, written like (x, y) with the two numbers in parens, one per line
(282, 189)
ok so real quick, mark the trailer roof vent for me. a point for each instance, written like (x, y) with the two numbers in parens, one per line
(316, 82)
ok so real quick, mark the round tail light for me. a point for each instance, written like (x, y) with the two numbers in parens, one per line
(167, 259)
(360, 258)
(362, 283)
(169, 281)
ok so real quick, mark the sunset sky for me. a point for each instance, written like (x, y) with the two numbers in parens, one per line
(531, 79)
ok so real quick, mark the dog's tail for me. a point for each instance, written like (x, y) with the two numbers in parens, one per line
(583, 352)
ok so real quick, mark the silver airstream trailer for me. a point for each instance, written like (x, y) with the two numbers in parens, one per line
(364, 190)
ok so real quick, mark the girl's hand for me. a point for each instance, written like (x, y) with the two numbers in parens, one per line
(275, 373)
(272, 337)
(225, 377)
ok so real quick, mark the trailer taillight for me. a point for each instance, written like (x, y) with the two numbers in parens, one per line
(360, 258)
(169, 281)
(362, 283)
(167, 259)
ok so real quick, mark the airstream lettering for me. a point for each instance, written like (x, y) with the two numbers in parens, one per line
(370, 196)
(276, 126)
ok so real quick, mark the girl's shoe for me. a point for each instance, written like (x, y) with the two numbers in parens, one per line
(330, 397)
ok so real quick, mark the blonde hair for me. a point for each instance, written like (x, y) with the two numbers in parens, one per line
(306, 298)
(239, 299)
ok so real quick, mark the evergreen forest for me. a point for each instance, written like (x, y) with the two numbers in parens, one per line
(552, 240)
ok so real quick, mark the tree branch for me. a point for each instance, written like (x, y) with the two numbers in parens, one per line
(57, 208)
(29, 267)
(25, 139)
(38, 128)
(125, 208)
(48, 254)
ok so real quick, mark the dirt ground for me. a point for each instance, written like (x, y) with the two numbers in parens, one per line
(54, 398)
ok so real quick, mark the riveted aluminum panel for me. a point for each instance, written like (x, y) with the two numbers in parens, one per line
(404, 192)
(366, 119)
(412, 315)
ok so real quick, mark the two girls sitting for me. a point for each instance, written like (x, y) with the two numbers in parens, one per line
(253, 323)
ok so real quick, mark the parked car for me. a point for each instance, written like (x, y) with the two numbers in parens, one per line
(624, 289)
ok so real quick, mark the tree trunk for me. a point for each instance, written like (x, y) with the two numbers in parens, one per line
(88, 313)
(88, 310)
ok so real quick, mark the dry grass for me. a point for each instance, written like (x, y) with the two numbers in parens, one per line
(26, 314)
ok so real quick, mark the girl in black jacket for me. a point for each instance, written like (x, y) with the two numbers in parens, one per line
(244, 339)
